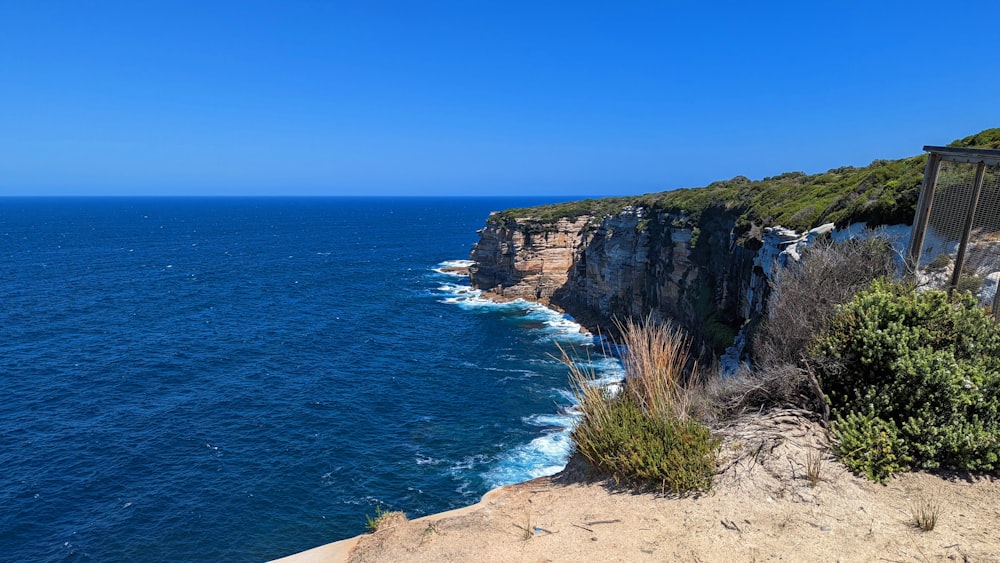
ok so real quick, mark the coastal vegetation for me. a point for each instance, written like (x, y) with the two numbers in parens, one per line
(540, 217)
(913, 379)
(910, 380)
(882, 193)
(902, 379)
(384, 519)
(646, 435)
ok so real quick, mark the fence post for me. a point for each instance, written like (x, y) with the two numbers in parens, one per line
(977, 189)
(996, 302)
(923, 211)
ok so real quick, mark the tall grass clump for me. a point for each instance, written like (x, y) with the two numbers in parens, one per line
(656, 362)
(645, 435)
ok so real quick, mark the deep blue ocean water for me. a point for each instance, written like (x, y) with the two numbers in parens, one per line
(241, 379)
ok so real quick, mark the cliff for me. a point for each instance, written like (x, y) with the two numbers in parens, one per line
(636, 262)
(705, 257)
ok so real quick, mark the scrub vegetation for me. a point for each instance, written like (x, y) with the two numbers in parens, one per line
(903, 379)
(913, 379)
(882, 193)
(906, 380)
(646, 435)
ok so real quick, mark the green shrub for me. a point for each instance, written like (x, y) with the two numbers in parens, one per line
(939, 263)
(923, 368)
(869, 445)
(646, 435)
(648, 452)
(972, 284)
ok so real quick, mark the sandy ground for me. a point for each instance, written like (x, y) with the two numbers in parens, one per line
(761, 508)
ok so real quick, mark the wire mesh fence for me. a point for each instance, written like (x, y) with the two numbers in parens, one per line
(956, 235)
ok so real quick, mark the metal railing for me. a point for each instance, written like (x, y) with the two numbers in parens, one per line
(955, 244)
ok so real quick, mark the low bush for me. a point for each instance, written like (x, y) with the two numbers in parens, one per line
(913, 375)
(665, 454)
(645, 435)
(870, 446)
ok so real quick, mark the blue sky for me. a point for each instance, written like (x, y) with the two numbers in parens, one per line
(474, 97)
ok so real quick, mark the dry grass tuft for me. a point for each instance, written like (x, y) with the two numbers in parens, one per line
(775, 386)
(925, 514)
(814, 467)
(647, 434)
(384, 519)
(656, 360)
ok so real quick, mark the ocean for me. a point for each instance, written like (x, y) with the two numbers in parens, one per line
(229, 379)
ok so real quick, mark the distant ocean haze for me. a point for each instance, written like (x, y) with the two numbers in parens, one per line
(240, 379)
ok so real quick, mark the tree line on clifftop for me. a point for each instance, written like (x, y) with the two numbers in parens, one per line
(883, 193)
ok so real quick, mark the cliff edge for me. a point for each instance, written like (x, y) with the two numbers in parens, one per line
(704, 257)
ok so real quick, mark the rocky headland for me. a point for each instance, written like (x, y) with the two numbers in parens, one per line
(706, 258)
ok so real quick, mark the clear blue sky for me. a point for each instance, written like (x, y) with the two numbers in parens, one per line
(475, 97)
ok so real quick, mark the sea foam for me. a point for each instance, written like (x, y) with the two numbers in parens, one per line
(547, 453)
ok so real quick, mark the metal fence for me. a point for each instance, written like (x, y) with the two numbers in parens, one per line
(955, 243)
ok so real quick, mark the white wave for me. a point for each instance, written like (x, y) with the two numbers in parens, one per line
(455, 289)
(448, 267)
(421, 459)
(564, 420)
(601, 370)
(565, 394)
(462, 295)
(524, 372)
(543, 456)
(456, 264)
(548, 453)
(551, 321)
(467, 463)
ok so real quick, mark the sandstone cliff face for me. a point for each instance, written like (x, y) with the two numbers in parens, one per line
(517, 260)
(632, 263)
(636, 263)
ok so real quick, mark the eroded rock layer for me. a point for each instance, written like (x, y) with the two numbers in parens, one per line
(631, 263)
